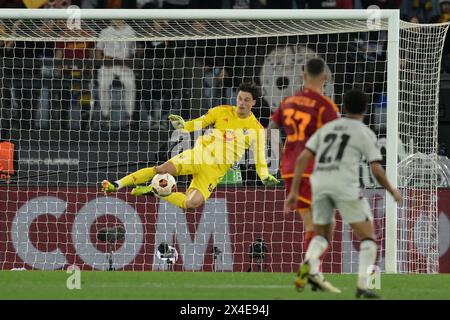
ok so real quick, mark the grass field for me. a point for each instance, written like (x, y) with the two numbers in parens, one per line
(206, 286)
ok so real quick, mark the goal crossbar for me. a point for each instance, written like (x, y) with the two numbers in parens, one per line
(207, 14)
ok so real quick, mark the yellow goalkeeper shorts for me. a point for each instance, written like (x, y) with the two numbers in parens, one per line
(205, 174)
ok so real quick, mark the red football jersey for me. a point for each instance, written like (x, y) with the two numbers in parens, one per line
(300, 116)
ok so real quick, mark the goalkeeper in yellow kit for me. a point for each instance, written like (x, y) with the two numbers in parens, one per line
(236, 129)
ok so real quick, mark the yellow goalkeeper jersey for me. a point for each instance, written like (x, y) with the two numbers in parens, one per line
(230, 137)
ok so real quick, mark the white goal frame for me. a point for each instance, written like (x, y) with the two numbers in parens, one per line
(392, 16)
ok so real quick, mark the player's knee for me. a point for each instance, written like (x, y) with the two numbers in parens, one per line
(323, 231)
(193, 203)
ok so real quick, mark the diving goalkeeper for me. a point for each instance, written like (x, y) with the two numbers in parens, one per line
(235, 130)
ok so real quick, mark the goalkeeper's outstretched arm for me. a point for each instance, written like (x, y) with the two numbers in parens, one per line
(196, 124)
(260, 159)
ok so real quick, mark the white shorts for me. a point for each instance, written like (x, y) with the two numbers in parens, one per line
(351, 211)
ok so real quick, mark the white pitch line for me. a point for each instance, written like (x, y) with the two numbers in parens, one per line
(193, 286)
(231, 286)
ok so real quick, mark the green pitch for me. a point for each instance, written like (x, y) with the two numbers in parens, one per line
(206, 285)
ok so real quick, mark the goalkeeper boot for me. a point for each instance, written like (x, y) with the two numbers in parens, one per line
(318, 282)
(301, 280)
(108, 187)
(366, 294)
(142, 191)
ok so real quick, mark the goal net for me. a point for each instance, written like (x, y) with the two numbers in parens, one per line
(85, 97)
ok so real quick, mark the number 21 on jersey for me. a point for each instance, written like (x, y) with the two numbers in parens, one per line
(298, 121)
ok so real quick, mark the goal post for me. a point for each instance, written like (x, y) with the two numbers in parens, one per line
(393, 54)
(185, 62)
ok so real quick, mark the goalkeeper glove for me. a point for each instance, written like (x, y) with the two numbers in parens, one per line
(177, 121)
(270, 181)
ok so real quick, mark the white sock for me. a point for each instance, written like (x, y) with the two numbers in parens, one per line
(316, 248)
(119, 186)
(367, 257)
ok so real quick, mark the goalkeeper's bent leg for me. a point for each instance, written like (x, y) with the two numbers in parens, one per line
(177, 199)
(146, 174)
(136, 178)
(192, 199)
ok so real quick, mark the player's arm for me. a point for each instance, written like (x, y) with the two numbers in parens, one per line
(196, 124)
(273, 125)
(301, 163)
(261, 166)
(260, 158)
(327, 113)
(380, 175)
(275, 120)
(372, 153)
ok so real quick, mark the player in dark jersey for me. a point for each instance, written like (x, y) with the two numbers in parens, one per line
(300, 116)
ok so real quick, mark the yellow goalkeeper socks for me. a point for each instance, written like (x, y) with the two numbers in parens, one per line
(177, 199)
(136, 178)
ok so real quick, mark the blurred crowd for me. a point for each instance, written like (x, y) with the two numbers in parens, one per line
(107, 85)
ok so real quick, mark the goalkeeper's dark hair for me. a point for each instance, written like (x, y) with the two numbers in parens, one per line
(315, 66)
(251, 88)
(355, 101)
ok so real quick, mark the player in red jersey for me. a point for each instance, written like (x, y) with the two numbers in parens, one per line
(300, 116)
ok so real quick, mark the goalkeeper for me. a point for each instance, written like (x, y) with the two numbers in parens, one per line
(236, 129)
